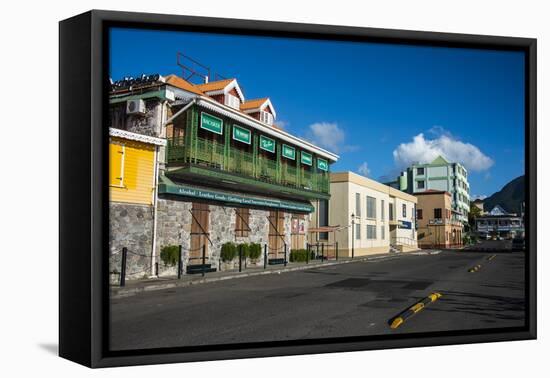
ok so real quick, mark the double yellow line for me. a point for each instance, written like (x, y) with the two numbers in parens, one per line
(417, 307)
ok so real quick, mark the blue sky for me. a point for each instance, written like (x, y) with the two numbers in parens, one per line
(378, 106)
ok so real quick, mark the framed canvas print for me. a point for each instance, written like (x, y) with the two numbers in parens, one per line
(234, 188)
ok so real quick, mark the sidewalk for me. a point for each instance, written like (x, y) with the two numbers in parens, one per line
(161, 283)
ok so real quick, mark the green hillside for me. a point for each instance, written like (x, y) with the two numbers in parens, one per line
(510, 197)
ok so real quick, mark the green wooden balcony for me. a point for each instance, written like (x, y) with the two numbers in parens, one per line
(232, 160)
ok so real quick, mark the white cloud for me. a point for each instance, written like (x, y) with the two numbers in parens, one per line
(364, 169)
(424, 150)
(328, 135)
(281, 124)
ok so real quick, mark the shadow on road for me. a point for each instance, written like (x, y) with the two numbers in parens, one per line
(494, 306)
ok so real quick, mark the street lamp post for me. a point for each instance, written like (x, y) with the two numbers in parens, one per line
(352, 235)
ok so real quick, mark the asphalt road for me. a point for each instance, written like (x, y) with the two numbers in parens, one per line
(344, 300)
(492, 245)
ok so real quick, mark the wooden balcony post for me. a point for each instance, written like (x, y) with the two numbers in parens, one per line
(278, 166)
(226, 147)
(255, 162)
(194, 136)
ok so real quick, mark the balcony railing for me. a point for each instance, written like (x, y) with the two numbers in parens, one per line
(442, 221)
(213, 155)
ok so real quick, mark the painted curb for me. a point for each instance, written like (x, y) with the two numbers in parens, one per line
(474, 269)
(415, 308)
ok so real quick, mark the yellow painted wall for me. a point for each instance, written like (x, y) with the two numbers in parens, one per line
(131, 171)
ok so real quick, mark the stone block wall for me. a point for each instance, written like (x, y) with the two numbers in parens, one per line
(173, 228)
(130, 226)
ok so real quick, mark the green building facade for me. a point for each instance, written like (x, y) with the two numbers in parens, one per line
(440, 174)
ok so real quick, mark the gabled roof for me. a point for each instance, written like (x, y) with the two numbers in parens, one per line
(178, 82)
(498, 210)
(214, 85)
(221, 87)
(253, 104)
(440, 160)
(258, 104)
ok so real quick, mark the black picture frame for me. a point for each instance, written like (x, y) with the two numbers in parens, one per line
(83, 197)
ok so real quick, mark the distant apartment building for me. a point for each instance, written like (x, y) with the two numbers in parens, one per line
(366, 216)
(438, 224)
(440, 175)
(499, 223)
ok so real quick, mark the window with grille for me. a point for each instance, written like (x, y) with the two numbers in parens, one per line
(323, 218)
(383, 232)
(358, 231)
(116, 165)
(371, 231)
(232, 101)
(371, 207)
(358, 204)
(437, 213)
(266, 117)
(419, 214)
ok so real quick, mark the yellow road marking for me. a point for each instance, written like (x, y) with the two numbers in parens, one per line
(396, 322)
(417, 307)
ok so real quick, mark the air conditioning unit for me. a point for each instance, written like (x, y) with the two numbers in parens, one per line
(135, 107)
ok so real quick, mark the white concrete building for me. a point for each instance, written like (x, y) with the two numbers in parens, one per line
(370, 217)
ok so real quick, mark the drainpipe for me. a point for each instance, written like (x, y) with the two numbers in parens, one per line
(155, 197)
(155, 200)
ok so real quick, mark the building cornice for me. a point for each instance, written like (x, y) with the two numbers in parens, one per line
(136, 137)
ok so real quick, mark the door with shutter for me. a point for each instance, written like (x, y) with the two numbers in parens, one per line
(298, 232)
(276, 234)
(200, 226)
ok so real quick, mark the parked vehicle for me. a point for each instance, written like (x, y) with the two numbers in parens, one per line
(518, 244)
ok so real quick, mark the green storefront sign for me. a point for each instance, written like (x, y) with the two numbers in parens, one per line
(267, 144)
(211, 123)
(241, 134)
(306, 158)
(289, 152)
(186, 191)
(322, 164)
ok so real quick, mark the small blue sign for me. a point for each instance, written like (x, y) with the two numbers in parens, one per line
(405, 224)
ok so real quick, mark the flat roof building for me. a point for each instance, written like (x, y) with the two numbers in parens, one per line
(438, 223)
(442, 175)
(367, 216)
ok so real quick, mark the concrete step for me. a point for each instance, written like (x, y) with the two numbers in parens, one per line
(198, 268)
(275, 261)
